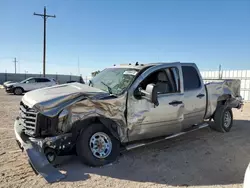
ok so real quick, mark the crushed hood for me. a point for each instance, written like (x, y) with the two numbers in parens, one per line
(47, 98)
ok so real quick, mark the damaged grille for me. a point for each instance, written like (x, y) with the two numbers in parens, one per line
(28, 119)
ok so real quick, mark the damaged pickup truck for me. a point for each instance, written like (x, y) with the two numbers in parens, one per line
(122, 107)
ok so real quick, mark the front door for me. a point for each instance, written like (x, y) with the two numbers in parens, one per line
(30, 84)
(144, 119)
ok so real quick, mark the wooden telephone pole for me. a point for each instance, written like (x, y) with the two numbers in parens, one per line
(44, 16)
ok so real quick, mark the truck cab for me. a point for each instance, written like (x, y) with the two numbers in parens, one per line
(181, 100)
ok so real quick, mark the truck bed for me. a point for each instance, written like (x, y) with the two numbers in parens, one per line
(220, 90)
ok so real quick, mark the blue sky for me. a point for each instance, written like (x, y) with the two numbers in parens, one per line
(106, 32)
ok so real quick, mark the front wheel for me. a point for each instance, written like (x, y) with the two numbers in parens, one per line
(96, 146)
(18, 91)
(223, 119)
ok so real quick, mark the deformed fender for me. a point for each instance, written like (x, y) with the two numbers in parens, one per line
(220, 91)
(108, 110)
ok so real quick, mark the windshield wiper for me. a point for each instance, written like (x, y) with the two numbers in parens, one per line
(109, 88)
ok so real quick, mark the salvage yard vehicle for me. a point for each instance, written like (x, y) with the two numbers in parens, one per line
(27, 85)
(123, 107)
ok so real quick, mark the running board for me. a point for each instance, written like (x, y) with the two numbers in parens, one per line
(197, 127)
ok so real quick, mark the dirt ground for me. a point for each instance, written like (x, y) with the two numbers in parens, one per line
(204, 158)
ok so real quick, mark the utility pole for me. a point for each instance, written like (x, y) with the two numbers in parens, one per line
(220, 76)
(44, 16)
(15, 61)
(78, 64)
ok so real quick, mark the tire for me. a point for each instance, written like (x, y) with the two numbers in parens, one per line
(18, 91)
(85, 146)
(223, 119)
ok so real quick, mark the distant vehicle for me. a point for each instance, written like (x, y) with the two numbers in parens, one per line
(74, 82)
(28, 84)
(80, 81)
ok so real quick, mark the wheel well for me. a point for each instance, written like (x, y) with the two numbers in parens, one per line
(222, 100)
(19, 87)
(80, 125)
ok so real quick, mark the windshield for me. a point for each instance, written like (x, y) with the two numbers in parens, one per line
(114, 80)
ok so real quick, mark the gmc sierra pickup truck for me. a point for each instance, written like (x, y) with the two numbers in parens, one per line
(122, 107)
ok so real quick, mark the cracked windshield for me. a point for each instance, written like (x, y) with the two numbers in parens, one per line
(114, 80)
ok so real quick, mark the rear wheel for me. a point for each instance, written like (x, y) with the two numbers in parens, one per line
(18, 91)
(96, 146)
(223, 119)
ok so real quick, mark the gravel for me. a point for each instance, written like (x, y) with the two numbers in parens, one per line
(203, 158)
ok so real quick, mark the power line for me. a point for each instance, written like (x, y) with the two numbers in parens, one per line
(44, 16)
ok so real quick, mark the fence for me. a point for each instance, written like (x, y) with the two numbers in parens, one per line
(243, 75)
(19, 77)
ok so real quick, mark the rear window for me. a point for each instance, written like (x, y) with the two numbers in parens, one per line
(191, 78)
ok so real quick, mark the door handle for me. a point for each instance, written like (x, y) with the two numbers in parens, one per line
(175, 103)
(200, 95)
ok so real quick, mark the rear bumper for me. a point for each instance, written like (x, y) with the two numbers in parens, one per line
(34, 149)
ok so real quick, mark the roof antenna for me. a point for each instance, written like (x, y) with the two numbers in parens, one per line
(136, 64)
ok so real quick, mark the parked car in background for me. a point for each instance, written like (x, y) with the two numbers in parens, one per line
(80, 81)
(28, 84)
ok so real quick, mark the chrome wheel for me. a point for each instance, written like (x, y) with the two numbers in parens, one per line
(227, 119)
(100, 145)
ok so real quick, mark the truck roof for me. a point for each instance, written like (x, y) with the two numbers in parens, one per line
(140, 66)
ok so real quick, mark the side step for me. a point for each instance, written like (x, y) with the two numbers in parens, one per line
(137, 145)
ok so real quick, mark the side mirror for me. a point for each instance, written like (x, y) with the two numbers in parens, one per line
(150, 94)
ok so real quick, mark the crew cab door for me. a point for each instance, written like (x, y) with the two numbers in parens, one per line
(194, 95)
(145, 119)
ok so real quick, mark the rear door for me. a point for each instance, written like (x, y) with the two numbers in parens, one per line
(43, 82)
(194, 95)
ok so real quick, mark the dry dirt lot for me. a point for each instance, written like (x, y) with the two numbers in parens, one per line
(204, 158)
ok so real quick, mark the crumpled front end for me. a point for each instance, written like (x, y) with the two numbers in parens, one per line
(49, 124)
(35, 151)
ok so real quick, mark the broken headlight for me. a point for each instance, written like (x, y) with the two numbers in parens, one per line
(64, 121)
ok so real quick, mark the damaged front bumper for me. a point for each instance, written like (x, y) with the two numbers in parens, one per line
(34, 148)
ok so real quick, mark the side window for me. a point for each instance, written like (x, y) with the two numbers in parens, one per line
(45, 80)
(191, 78)
(42, 80)
(174, 79)
(32, 80)
(165, 80)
